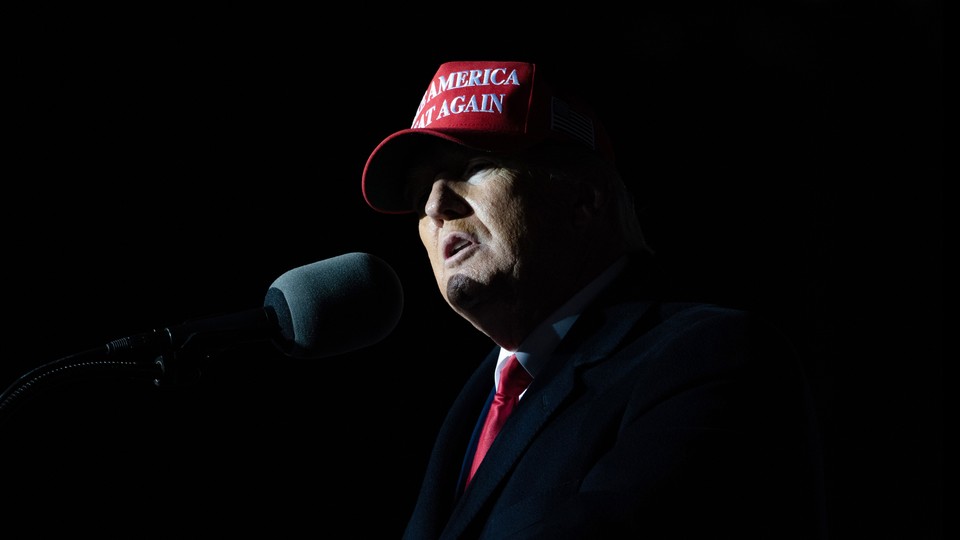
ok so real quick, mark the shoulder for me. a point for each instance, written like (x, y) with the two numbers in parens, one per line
(716, 322)
(701, 336)
(711, 319)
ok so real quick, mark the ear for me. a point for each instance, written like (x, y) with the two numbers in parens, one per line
(590, 201)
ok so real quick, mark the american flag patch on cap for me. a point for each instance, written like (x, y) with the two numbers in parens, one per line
(565, 120)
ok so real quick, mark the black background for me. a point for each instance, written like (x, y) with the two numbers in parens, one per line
(166, 164)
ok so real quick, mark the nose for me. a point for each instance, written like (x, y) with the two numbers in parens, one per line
(444, 203)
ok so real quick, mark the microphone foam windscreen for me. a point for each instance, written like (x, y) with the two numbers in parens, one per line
(336, 305)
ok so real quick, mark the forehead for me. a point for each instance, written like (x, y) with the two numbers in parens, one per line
(439, 156)
(447, 158)
(436, 158)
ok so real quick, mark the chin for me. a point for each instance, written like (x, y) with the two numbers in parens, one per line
(464, 292)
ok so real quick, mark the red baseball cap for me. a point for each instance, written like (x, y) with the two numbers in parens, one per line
(488, 106)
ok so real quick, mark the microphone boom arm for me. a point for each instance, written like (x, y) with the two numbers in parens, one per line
(157, 355)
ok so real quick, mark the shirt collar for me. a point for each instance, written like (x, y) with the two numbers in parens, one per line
(540, 344)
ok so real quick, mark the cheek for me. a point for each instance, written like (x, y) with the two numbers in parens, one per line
(508, 223)
(423, 232)
(513, 231)
(429, 240)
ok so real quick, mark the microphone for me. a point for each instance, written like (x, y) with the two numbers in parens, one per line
(329, 307)
(334, 306)
(326, 308)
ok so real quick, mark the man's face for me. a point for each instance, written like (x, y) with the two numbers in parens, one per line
(494, 235)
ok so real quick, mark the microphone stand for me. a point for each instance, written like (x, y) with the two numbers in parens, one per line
(87, 364)
(172, 355)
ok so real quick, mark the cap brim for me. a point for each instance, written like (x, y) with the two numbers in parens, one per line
(384, 175)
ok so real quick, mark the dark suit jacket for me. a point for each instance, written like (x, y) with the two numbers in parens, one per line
(652, 420)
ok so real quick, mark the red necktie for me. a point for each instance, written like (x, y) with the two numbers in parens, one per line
(513, 380)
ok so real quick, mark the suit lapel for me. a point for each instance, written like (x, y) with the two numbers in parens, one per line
(546, 394)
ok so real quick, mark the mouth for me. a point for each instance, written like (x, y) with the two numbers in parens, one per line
(456, 245)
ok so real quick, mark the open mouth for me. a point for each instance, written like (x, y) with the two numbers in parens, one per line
(456, 243)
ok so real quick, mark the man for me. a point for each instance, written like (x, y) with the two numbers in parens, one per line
(636, 416)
